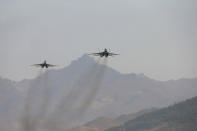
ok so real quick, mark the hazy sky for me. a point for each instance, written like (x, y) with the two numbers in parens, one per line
(154, 37)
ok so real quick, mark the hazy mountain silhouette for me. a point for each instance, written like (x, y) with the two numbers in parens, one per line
(126, 117)
(179, 117)
(104, 123)
(118, 93)
(98, 124)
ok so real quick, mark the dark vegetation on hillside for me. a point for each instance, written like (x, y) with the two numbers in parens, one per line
(180, 117)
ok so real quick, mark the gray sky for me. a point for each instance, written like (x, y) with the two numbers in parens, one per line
(154, 37)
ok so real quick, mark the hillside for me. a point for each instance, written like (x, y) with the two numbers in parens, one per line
(85, 90)
(104, 123)
(180, 117)
(126, 117)
(98, 124)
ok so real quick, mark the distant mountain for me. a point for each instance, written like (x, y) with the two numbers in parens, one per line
(86, 90)
(104, 123)
(10, 104)
(126, 117)
(180, 117)
(98, 124)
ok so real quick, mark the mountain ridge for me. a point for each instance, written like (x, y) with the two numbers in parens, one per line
(178, 117)
(117, 94)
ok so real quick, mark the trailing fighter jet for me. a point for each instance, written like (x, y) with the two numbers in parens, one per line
(44, 65)
(105, 53)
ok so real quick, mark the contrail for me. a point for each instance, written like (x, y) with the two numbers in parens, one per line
(71, 106)
(45, 90)
(67, 103)
(28, 120)
(94, 86)
(88, 83)
(36, 102)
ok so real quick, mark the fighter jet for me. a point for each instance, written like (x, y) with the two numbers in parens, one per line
(105, 53)
(44, 65)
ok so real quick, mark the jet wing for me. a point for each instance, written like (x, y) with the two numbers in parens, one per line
(37, 65)
(111, 54)
(49, 65)
(95, 54)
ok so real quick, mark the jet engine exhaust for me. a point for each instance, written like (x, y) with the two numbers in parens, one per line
(70, 107)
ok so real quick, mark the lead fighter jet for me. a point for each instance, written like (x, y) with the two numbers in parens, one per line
(44, 65)
(105, 53)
